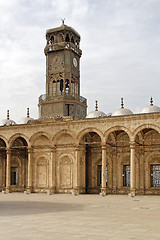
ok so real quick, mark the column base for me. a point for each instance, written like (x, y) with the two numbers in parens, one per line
(29, 190)
(8, 190)
(75, 191)
(103, 191)
(133, 192)
(52, 190)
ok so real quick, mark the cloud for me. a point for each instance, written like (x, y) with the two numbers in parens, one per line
(120, 44)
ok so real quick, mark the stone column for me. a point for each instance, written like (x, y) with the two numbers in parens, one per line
(76, 188)
(29, 185)
(8, 171)
(53, 171)
(103, 188)
(133, 169)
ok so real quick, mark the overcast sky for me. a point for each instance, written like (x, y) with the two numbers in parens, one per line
(120, 42)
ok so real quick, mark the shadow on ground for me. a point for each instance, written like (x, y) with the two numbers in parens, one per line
(26, 208)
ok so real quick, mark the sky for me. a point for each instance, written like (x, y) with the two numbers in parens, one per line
(120, 42)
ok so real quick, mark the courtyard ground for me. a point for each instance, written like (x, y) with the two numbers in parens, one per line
(89, 217)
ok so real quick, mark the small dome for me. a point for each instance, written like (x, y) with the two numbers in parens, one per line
(151, 108)
(7, 121)
(122, 111)
(96, 113)
(25, 120)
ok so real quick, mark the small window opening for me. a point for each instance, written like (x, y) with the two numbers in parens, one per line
(51, 41)
(67, 86)
(72, 40)
(14, 175)
(67, 38)
(61, 85)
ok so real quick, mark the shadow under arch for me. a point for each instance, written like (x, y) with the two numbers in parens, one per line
(4, 139)
(87, 130)
(145, 126)
(16, 136)
(90, 143)
(118, 128)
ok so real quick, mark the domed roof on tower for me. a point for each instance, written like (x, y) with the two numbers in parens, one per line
(151, 108)
(96, 113)
(61, 28)
(7, 121)
(25, 119)
(122, 111)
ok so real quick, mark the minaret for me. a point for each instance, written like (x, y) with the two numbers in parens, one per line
(63, 54)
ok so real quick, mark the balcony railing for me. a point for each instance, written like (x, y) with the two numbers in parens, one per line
(65, 96)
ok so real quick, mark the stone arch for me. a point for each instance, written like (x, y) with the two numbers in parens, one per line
(4, 139)
(145, 126)
(16, 136)
(118, 128)
(87, 130)
(39, 138)
(67, 135)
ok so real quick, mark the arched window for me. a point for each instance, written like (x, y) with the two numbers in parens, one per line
(67, 86)
(67, 38)
(51, 41)
(72, 40)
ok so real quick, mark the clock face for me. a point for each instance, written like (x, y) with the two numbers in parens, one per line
(75, 62)
(56, 59)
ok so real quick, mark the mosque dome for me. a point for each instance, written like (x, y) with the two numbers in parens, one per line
(25, 120)
(122, 111)
(151, 108)
(96, 113)
(7, 121)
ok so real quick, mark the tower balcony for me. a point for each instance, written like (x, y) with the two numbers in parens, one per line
(62, 45)
(62, 96)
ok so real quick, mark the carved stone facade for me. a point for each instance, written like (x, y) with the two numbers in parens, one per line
(61, 153)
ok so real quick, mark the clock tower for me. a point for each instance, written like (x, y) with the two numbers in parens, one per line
(63, 54)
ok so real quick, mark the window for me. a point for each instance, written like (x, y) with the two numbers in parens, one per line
(99, 178)
(126, 175)
(155, 175)
(14, 175)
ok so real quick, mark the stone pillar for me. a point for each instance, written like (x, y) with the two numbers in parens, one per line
(29, 185)
(53, 171)
(8, 171)
(133, 169)
(103, 188)
(76, 188)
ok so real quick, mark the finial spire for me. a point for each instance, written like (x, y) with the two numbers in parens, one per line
(27, 112)
(96, 107)
(7, 114)
(122, 104)
(151, 101)
(63, 19)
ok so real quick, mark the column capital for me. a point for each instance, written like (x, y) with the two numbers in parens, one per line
(53, 149)
(77, 147)
(30, 149)
(104, 146)
(132, 144)
(8, 150)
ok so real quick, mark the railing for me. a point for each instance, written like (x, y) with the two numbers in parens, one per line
(65, 96)
(56, 46)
